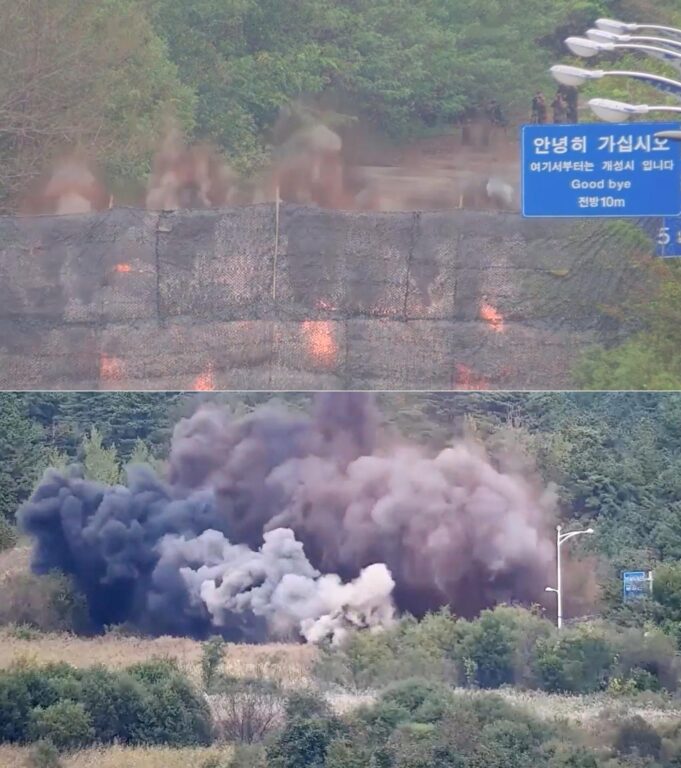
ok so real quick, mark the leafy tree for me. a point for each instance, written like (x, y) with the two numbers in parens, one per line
(66, 724)
(100, 463)
(115, 83)
(21, 451)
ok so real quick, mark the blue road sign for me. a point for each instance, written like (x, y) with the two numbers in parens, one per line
(600, 170)
(635, 584)
(669, 238)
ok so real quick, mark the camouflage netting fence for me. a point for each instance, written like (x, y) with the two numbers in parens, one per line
(241, 298)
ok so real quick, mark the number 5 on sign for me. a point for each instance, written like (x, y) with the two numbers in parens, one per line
(669, 238)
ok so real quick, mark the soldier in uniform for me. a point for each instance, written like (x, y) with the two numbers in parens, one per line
(559, 108)
(539, 111)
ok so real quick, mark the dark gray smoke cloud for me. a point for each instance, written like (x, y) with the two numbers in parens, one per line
(281, 524)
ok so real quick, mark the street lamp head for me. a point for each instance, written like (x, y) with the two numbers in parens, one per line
(589, 530)
(603, 36)
(550, 589)
(582, 46)
(614, 26)
(573, 76)
(615, 112)
(673, 135)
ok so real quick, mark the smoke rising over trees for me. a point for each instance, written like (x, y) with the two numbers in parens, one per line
(283, 523)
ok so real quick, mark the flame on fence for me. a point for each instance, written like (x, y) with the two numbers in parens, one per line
(319, 341)
(111, 369)
(205, 381)
(492, 317)
(467, 379)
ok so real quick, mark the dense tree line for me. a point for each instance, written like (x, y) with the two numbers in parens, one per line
(224, 68)
(615, 459)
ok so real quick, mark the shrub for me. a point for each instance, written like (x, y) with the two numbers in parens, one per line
(176, 714)
(248, 756)
(44, 755)
(48, 603)
(648, 659)
(419, 701)
(66, 724)
(490, 646)
(15, 708)
(211, 658)
(305, 704)
(8, 534)
(302, 744)
(117, 704)
(637, 737)
(579, 661)
(246, 710)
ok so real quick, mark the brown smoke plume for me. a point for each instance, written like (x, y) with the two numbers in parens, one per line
(281, 523)
(71, 187)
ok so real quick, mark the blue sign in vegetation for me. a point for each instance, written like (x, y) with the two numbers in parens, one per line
(600, 170)
(635, 584)
(669, 238)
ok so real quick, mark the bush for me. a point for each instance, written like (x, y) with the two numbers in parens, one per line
(248, 756)
(176, 714)
(246, 711)
(579, 661)
(44, 755)
(66, 724)
(211, 658)
(637, 737)
(648, 659)
(15, 708)
(8, 534)
(117, 703)
(48, 603)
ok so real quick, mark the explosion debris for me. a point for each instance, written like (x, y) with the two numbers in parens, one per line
(286, 524)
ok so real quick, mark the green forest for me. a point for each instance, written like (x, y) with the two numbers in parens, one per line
(614, 460)
(105, 76)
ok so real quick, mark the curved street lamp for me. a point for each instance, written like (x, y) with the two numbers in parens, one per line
(618, 27)
(673, 135)
(619, 111)
(583, 46)
(576, 76)
(561, 538)
(602, 36)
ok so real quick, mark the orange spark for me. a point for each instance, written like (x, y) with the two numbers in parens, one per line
(204, 382)
(319, 341)
(466, 379)
(123, 268)
(492, 317)
(110, 368)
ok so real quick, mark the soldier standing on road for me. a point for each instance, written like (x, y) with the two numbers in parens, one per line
(539, 110)
(571, 98)
(559, 108)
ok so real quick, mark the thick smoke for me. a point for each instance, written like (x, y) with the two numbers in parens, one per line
(286, 524)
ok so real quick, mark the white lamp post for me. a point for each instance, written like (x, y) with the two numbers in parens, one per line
(576, 76)
(561, 538)
(619, 111)
(583, 46)
(619, 27)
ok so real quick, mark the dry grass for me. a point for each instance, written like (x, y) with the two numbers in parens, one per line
(288, 664)
(13, 561)
(121, 757)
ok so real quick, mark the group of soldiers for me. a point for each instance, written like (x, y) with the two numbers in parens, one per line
(563, 107)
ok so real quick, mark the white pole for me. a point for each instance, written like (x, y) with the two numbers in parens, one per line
(559, 590)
